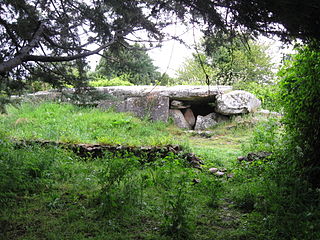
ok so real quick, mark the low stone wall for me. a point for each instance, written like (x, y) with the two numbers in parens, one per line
(146, 153)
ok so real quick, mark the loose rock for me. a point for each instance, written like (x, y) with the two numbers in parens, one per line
(219, 173)
(254, 156)
(204, 122)
(175, 104)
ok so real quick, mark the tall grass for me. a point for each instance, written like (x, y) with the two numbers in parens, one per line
(50, 193)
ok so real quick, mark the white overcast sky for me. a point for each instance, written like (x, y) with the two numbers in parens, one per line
(170, 57)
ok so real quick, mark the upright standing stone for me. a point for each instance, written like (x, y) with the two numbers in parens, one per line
(179, 119)
(189, 116)
(118, 106)
(160, 109)
(155, 107)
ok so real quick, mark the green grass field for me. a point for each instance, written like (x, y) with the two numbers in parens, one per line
(68, 123)
(50, 193)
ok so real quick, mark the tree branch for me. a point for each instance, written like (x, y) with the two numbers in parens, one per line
(18, 59)
(65, 58)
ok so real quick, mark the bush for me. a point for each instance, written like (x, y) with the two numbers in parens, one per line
(119, 185)
(266, 137)
(283, 191)
(103, 81)
(300, 91)
(173, 182)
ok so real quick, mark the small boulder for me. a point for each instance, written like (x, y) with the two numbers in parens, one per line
(196, 180)
(237, 102)
(219, 174)
(204, 122)
(254, 156)
(179, 119)
(213, 170)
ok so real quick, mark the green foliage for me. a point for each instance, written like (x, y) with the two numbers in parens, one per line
(300, 91)
(173, 181)
(25, 171)
(227, 63)
(191, 72)
(109, 197)
(279, 202)
(132, 61)
(103, 81)
(266, 137)
(119, 181)
(58, 75)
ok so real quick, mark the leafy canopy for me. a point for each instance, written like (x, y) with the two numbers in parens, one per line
(37, 31)
(132, 60)
(227, 62)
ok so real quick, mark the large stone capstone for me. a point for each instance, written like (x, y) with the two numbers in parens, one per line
(180, 92)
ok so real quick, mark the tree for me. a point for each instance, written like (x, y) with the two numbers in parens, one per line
(35, 32)
(195, 71)
(133, 60)
(58, 31)
(224, 62)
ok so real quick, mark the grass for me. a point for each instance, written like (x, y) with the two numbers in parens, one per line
(107, 198)
(68, 123)
(50, 193)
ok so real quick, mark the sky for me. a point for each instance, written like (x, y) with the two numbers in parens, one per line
(171, 56)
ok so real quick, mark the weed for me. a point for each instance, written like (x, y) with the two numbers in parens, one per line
(119, 182)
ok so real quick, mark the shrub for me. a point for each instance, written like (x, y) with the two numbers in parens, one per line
(300, 91)
(266, 137)
(103, 81)
(173, 182)
(119, 192)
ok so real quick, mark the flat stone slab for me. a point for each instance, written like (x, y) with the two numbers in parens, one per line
(180, 92)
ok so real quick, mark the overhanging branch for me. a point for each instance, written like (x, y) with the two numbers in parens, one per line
(18, 59)
(37, 58)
